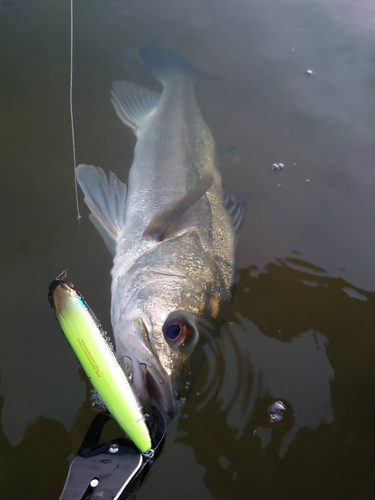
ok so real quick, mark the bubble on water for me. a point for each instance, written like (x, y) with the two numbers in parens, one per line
(307, 181)
(198, 393)
(277, 166)
(292, 50)
(294, 165)
(276, 411)
(96, 400)
(279, 185)
(309, 72)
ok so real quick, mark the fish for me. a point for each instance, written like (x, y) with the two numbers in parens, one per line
(172, 232)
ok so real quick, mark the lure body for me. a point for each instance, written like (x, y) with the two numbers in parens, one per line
(97, 358)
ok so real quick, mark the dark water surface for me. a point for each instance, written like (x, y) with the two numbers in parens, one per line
(302, 325)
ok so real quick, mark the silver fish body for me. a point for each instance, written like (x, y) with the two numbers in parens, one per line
(174, 238)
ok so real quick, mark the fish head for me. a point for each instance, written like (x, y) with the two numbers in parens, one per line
(160, 333)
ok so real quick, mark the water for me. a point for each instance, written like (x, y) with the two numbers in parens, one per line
(301, 327)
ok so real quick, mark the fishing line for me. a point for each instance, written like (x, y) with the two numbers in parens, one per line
(71, 111)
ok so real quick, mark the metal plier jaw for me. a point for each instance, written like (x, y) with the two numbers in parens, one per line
(113, 470)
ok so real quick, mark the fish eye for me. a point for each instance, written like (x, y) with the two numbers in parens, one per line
(177, 331)
(173, 331)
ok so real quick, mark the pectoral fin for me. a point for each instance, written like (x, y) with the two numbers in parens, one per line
(159, 225)
(237, 210)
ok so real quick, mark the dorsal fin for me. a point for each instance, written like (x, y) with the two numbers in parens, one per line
(172, 212)
(133, 103)
(106, 199)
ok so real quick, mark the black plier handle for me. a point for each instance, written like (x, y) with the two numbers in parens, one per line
(113, 470)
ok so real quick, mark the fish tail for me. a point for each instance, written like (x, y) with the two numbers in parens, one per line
(163, 62)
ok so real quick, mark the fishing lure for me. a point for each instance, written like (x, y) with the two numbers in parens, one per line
(96, 355)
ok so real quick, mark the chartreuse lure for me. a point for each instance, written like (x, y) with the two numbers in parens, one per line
(83, 331)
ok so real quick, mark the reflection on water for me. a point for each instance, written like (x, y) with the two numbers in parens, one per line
(38, 466)
(297, 371)
(41, 460)
(256, 368)
(275, 346)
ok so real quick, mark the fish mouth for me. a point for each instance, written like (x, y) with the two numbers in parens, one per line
(152, 385)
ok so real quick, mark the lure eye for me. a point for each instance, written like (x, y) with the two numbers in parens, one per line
(177, 331)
